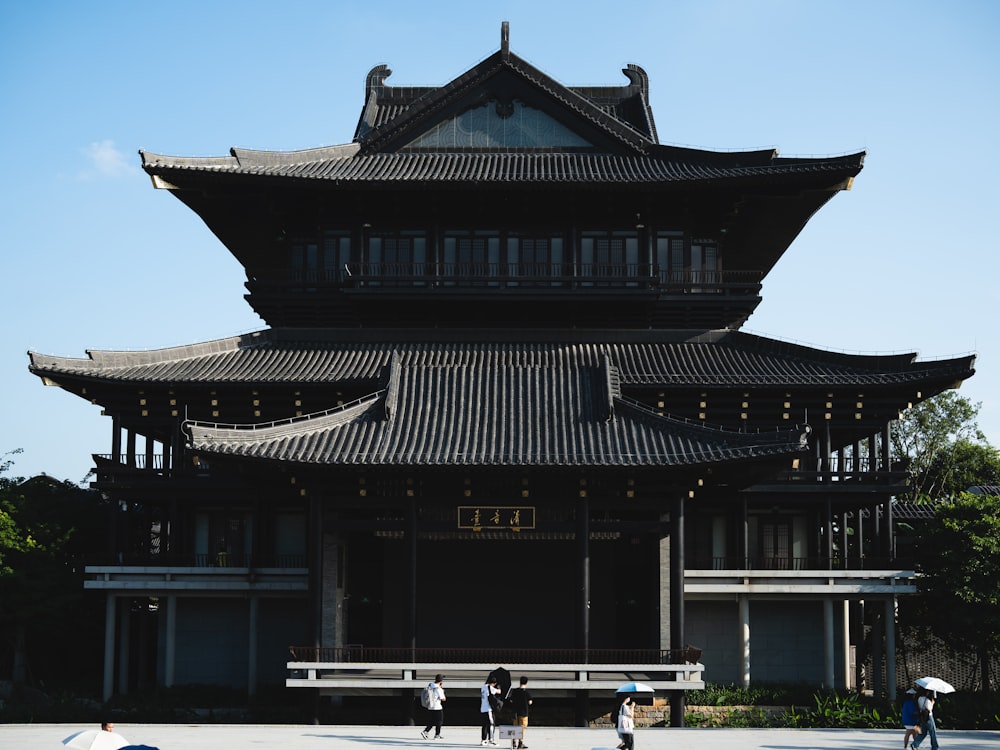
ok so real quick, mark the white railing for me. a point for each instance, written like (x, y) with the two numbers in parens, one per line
(466, 678)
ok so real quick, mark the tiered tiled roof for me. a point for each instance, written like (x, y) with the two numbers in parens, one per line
(646, 358)
(345, 164)
(551, 400)
(485, 413)
(621, 116)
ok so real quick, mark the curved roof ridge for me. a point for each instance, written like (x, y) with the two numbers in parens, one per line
(470, 414)
(797, 434)
(253, 432)
(719, 358)
(252, 157)
(899, 360)
(114, 359)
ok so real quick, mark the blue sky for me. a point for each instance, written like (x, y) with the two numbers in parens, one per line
(95, 258)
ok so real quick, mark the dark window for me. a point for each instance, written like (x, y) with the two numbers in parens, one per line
(397, 255)
(534, 261)
(689, 267)
(609, 258)
(704, 266)
(336, 255)
(670, 258)
(321, 262)
(775, 545)
(472, 257)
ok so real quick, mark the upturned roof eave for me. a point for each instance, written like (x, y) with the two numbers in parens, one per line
(171, 364)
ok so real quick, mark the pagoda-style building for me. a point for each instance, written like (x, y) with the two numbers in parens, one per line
(501, 413)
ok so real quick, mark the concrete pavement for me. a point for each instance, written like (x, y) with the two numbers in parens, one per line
(348, 737)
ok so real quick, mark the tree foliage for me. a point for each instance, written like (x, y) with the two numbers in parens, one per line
(965, 465)
(929, 439)
(958, 557)
(46, 528)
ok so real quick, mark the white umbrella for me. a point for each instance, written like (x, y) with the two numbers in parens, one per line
(634, 687)
(95, 739)
(936, 684)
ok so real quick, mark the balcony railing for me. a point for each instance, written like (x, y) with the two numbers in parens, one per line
(359, 670)
(797, 563)
(512, 275)
(199, 560)
(135, 461)
(380, 655)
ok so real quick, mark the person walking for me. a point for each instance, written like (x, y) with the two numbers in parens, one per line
(910, 717)
(925, 705)
(626, 723)
(520, 700)
(435, 707)
(487, 695)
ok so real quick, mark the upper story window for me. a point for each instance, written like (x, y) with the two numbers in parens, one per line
(305, 262)
(534, 259)
(323, 261)
(397, 254)
(704, 265)
(609, 255)
(498, 124)
(689, 266)
(471, 254)
(336, 254)
(670, 260)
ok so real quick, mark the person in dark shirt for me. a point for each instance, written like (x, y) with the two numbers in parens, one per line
(520, 699)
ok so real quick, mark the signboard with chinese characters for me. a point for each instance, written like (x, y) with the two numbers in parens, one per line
(480, 517)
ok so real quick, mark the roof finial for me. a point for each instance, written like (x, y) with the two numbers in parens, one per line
(505, 38)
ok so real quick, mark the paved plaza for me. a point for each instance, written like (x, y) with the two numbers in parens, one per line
(346, 737)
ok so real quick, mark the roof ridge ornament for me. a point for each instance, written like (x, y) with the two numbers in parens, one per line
(505, 39)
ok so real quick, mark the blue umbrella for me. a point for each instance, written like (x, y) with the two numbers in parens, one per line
(640, 692)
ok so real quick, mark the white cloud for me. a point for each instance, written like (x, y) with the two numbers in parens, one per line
(106, 161)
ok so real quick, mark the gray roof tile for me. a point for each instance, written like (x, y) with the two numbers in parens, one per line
(480, 412)
(319, 356)
(341, 165)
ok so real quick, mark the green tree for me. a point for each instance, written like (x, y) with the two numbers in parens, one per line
(928, 436)
(46, 528)
(966, 464)
(958, 557)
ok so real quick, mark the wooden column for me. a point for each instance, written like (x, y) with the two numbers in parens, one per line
(829, 677)
(315, 555)
(743, 602)
(744, 551)
(828, 524)
(170, 641)
(314, 560)
(116, 439)
(109, 646)
(410, 614)
(583, 598)
(677, 636)
(410, 617)
(890, 648)
(888, 541)
(254, 615)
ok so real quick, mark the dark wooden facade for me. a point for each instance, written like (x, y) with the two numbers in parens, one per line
(502, 373)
